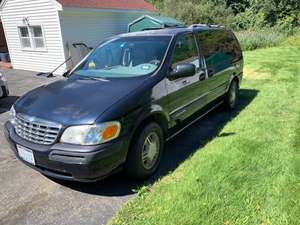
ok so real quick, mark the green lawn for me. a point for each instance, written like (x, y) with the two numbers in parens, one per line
(250, 177)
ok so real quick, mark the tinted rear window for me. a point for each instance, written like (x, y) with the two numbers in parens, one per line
(219, 47)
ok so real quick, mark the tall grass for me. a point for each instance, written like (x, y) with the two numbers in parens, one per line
(251, 40)
(294, 40)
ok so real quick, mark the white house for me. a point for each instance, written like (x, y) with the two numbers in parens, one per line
(40, 33)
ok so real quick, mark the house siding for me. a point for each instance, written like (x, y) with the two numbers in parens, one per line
(91, 26)
(39, 12)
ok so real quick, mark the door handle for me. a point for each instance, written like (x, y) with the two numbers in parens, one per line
(210, 72)
(202, 75)
(185, 82)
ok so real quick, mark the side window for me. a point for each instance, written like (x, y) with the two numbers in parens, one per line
(186, 51)
(234, 48)
(217, 47)
(208, 45)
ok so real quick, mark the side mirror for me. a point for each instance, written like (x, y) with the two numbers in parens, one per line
(182, 70)
(66, 74)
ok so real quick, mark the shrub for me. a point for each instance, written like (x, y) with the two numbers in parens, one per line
(294, 40)
(202, 11)
(236, 14)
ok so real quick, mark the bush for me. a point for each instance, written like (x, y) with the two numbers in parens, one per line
(203, 11)
(270, 22)
(235, 14)
(294, 40)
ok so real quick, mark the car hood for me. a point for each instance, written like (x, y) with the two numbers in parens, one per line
(75, 100)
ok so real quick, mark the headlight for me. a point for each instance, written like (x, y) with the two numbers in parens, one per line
(12, 114)
(91, 134)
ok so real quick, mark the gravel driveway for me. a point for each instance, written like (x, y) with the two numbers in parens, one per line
(27, 197)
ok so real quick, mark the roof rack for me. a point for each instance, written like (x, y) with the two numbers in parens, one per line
(206, 25)
(215, 25)
(198, 25)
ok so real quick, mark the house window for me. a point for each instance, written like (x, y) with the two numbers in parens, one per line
(32, 37)
(37, 37)
(24, 36)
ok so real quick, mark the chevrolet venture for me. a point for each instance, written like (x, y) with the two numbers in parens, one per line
(117, 107)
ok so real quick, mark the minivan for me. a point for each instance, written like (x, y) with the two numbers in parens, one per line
(117, 107)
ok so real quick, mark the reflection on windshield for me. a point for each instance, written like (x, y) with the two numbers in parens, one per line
(125, 57)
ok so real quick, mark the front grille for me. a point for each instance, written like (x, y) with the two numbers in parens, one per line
(36, 130)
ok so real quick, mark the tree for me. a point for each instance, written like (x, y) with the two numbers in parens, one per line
(198, 11)
(238, 14)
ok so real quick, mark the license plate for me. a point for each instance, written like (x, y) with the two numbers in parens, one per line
(26, 154)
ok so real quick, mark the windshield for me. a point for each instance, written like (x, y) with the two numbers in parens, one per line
(125, 57)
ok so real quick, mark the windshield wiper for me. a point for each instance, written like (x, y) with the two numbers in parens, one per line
(94, 78)
(109, 67)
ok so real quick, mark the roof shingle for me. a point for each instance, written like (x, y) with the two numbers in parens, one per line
(109, 4)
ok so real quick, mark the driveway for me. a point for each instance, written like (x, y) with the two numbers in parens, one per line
(27, 197)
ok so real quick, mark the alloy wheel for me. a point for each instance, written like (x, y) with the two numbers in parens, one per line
(150, 150)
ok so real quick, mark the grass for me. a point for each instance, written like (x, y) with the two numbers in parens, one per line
(249, 178)
(251, 40)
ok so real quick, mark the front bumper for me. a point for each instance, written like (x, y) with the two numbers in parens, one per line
(72, 162)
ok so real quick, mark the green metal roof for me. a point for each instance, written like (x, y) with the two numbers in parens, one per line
(148, 22)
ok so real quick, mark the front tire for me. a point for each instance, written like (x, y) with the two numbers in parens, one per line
(146, 150)
(231, 97)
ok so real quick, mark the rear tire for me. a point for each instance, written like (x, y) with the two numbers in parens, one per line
(145, 153)
(231, 97)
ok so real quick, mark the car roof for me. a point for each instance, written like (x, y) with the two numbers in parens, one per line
(170, 31)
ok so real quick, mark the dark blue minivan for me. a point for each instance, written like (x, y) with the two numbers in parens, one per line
(119, 105)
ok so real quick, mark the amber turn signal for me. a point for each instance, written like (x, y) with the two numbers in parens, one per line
(110, 132)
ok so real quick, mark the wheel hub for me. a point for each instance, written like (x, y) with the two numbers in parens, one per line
(150, 150)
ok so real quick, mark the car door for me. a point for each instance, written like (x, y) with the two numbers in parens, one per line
(213, 46)
(185, 94)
